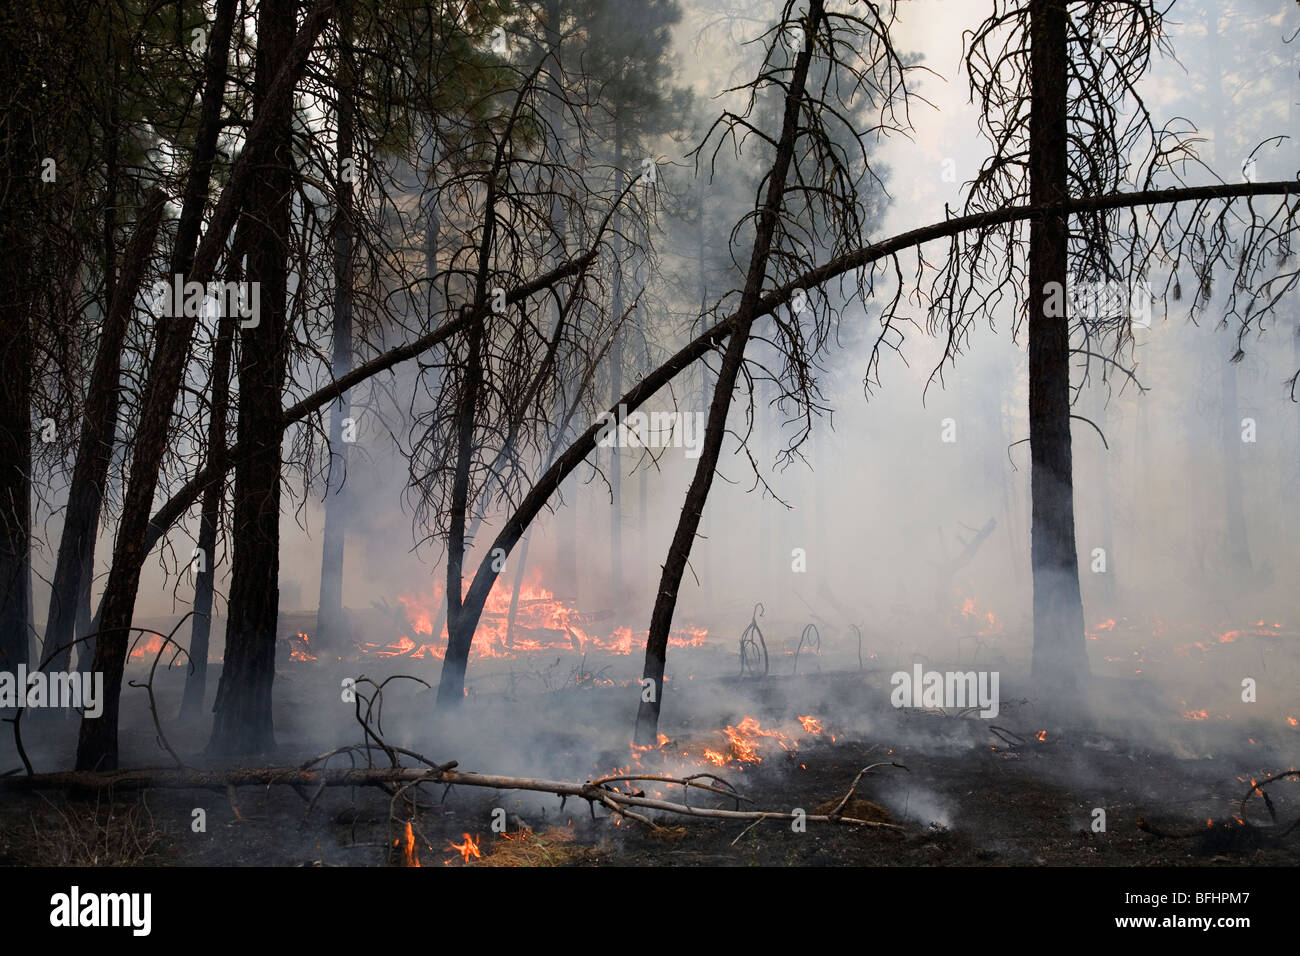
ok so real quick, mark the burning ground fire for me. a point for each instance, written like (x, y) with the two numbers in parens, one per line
(468, 849)
(541, 623)
(735, 746)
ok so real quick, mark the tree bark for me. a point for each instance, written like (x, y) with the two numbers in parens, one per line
(242, 721)
(1059, 655)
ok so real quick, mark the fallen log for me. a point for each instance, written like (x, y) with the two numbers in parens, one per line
(615, 800)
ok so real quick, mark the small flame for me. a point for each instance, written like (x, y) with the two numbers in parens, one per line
(410, 855)
(810, 724)
(302, 653)
(149, 649)
(1042, 735)
(468, 850)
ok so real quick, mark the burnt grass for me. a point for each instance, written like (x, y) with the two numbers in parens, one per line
(968, 797)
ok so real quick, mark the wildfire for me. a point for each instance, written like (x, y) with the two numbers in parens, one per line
(537, 621)
(984, 620)
(302, 653)
(410, 856)
(148, 649)
(1293, 722)
(468, 850)
(1106, 625)
(1042, 736)
(810, 724)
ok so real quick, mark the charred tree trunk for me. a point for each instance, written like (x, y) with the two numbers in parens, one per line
(242, 722)
(461, 622)
(97, 745)
(95, 446)
(647, 722)
(1059, 656)
(196, 681)
(70, 592)
(17, 215)
(331, 624)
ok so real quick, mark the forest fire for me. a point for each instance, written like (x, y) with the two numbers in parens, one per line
(975, 614)
(811, 724)
(147, 650)
(410, 854)
(302, 653)
(414, 410)
(468, 848)
(535, 622)
(744, 742)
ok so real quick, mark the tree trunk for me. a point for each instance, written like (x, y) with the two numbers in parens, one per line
(242, 722)
(196, 681)
(647, 721)
(1059, 656)
(20, 218)
(331, 624)
(16, 299)
(97, 745)
(95, 446)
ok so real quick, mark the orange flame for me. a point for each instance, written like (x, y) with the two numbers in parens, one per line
(148, 649)
(468, 850)
(302, 653)
(410, 855)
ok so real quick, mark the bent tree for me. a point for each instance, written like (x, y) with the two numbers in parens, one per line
(812, 201)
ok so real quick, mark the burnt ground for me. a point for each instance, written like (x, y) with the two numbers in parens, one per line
(969, 797)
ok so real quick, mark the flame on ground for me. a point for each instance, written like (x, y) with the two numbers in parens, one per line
(148, 650)
(537, 621)
(302, 653)
(810, 724)
(468, 850)
(410, 855)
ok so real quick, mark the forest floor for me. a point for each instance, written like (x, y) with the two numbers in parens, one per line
(1026, 795)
